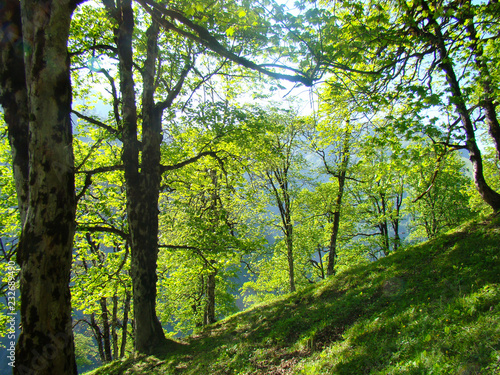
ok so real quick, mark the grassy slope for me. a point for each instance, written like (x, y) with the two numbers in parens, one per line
(433, 308)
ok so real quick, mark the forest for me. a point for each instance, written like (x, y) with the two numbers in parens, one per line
(165, 165)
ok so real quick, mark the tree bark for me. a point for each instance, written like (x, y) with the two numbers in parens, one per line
(341, 178)
(209, 317)
(98, 337)
(332, 248)
(105, 329)
(45, 345)
(114, 327)
(490, 196)
(126, 310)
(13, 98)
(488, 99)
(142, 182)
(282, 195)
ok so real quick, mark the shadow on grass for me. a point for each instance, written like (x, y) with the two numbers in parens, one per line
(433, 308)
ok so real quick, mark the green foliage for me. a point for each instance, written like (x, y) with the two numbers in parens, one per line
(85, 351)
(10, 229)
(431, 214)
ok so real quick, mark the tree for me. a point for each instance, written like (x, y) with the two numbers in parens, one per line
(101, 289)
(336, 141)
(445, 204)
(205, 220)
(41, 138)
(141, 131)
(429, 53)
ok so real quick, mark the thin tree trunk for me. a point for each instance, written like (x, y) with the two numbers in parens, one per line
(332, 248)
(289, 255)
(105, 329)
(341, 178)
(395, 222)
(322, 269)
(114, 327)
(98, 337)
(126, 310)
(46, 345)
(283, 201)
(210, 305)
(488, 99)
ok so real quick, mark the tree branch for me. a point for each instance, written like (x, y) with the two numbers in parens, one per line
(206, 39)
(97, 123)
(98, 228)
(110, 168)
(165, 168)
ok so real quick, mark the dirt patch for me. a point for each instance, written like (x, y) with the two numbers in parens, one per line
(280, 362)
(326, 336)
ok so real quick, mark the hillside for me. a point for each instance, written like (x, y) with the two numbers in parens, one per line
(433, 308)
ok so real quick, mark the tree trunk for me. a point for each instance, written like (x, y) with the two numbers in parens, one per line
(142, 185)
(46, 345)
(105, 329)
(332, 248)
(98, 337)
(13, 98)
(488, 100)
(210, 305)
(490, 196)
(126, 310)
(395, 221)
(114, 327)
(289, 255)
(341, 178)
(321, 268)
(284, 204)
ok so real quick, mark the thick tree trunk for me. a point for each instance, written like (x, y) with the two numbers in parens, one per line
(143, 224)
(142, 186)
(45, 345)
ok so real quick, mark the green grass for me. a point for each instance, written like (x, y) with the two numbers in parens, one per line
(430, 309)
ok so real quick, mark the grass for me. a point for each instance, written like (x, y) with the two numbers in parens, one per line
(430, 309)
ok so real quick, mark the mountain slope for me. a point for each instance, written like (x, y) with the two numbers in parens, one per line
(433, 308)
